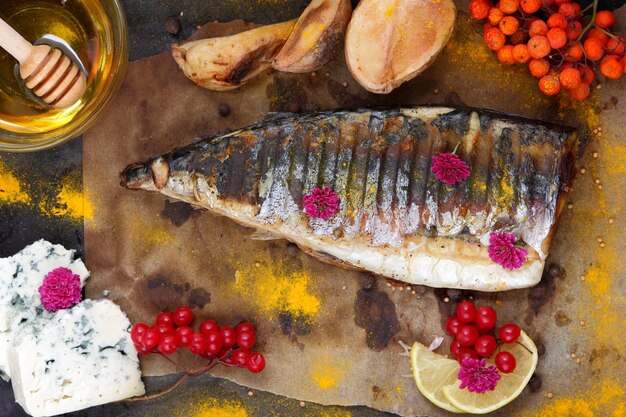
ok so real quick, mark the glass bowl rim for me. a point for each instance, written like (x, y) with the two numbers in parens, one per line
(120, 61)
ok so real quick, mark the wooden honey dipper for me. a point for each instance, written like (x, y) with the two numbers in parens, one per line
(48, 72)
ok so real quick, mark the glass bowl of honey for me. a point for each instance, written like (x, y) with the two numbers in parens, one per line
(96, 32)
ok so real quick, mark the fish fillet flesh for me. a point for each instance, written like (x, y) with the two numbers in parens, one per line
(395, 218)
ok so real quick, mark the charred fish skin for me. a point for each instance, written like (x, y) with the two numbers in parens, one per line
(395, 218)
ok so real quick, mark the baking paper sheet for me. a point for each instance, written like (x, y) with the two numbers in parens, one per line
(331, 335)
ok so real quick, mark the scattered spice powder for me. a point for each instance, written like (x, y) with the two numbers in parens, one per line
(602, 399)
(215, 408)
(274, 290)
(339, 413)
(604, 313)
(11, 190)
(327, 373)
(70, 201)
(156, 235)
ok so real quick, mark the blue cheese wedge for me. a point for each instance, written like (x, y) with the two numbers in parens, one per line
(74, 359)
(21, 276)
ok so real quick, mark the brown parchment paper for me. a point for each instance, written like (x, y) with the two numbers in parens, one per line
(331, 335)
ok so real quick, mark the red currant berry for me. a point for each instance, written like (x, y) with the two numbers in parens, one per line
(486, 318)
(214, 342)
(455, 348)
(467, 335)
(229, 337)
(213, 348)
(505, 361)
(509, 333)
(197, 344)
(168, 344)
(466, 353)
(466, 311)
(150, 339)
(183, 316)
(184, 334)
(245, 327)
(208, 326)
(452, 325)
(165, 318)
(240, 357)
(142, 350)
(485, 345)
(246, 340)
(256, 363)
(164, 328)
(136, 332)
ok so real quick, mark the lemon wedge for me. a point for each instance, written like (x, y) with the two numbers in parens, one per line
(508, 388)
(432, 372)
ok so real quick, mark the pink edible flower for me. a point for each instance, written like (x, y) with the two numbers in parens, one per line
(502, 250)
(60, 289)
(321, 203)
(476, 377)
(449, 168)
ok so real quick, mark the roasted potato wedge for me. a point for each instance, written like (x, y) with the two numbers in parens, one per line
(389, 42)
(317, 37)
(229, 62)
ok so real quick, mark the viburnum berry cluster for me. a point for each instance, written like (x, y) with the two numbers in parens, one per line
(474, 332)
(224, 345)
(549, 36)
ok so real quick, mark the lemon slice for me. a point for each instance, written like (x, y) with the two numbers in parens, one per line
(432, 372)
(509, 386)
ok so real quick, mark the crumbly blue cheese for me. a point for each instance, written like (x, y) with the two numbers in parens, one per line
(74, 359)
(21, 276)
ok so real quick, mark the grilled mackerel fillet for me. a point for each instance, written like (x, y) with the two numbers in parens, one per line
(395, 219)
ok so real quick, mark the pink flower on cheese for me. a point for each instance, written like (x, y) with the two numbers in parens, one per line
(60, 289)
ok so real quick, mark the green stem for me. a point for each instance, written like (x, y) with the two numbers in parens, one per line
(593, 18)
(585, 9)
(606, 32)
(456, 148)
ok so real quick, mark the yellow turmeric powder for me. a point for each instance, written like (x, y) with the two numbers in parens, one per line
(275, 290)
(602, 400)
(11, 190)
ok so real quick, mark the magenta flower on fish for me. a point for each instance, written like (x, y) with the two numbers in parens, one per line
(60, 289)
(476, 377)
(449, 168)
(502, 250)
(322, 203)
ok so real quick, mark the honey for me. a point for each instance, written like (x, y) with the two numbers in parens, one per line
(84, 25)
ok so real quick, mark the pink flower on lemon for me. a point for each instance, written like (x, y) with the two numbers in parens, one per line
(477, 377)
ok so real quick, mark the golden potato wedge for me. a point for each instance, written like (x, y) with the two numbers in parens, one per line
(229, 62)
(317, 37)
(389, 42)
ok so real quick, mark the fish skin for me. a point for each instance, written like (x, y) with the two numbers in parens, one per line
(395, 218)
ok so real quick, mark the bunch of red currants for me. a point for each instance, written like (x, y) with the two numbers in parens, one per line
(172, 331)
(473, 330)
(548, 36)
